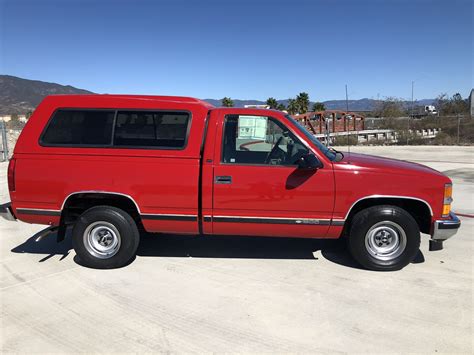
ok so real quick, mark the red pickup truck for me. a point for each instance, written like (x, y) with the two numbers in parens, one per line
(111, 165)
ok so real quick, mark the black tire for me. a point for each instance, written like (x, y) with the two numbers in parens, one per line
(112, 227)
(371, 238)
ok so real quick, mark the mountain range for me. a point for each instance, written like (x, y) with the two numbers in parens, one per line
(18, 96)
(360, 105)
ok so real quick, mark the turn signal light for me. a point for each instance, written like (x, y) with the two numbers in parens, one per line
(446, 210)
(448, 198)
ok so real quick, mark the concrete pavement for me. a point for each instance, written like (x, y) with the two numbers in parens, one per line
(185, 294)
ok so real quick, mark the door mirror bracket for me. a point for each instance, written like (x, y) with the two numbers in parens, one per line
(309, 162)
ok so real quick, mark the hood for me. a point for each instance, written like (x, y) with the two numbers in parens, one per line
(387, 165)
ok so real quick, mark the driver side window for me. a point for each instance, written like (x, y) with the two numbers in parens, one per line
(259, 140)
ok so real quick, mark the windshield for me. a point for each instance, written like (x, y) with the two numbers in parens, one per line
(325, 150)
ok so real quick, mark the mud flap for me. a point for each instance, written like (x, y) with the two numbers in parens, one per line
(436, 245)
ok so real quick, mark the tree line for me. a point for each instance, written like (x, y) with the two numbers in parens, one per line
(445, 106)
(389, 107)
(299, 104)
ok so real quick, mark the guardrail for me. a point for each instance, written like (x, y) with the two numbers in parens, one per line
(379, 134)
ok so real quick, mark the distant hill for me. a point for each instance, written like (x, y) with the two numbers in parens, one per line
(19, 95)
(239, 103)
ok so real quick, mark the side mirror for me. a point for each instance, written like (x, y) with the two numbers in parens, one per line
(309, 161)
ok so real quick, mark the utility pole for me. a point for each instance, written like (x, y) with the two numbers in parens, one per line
(347, 101)
(412, 110)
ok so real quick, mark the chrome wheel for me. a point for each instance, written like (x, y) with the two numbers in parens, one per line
(385, 240)
(102, 239)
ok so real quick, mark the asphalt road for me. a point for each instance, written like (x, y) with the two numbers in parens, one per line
(185, 294)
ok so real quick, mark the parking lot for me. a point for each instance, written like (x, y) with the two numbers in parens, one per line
(231, 294)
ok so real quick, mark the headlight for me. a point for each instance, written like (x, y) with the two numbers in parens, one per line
(448, 198)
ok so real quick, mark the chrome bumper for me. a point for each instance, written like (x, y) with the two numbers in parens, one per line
(446, 228)
(7, 212)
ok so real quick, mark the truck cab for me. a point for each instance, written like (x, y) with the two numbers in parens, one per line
(110, 165)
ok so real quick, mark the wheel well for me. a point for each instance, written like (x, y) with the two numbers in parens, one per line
(76, 204)
(418, 209)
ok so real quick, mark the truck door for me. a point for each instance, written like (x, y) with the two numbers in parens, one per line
(258, 188)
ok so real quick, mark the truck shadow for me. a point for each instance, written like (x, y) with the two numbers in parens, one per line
(244, 248)
(178, 246)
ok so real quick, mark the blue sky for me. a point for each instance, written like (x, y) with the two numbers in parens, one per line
(242, 49)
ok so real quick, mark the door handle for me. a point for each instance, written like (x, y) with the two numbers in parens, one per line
(223, 180)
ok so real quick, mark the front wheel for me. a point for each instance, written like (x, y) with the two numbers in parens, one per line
(105, 237)
(384, 238)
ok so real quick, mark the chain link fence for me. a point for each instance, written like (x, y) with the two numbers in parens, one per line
(8, 138)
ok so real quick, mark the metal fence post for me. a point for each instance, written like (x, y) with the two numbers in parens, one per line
(4, 141)
(459, 126)
(327, 132)
(1, 130)
(5, 144)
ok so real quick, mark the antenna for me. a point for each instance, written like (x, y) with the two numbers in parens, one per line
(347, 125)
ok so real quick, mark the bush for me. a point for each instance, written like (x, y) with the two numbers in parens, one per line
(343, 140)
(391, 123)
(466, 130)
(14, 123)
(444, 139)
(448, 126)
(413, 138)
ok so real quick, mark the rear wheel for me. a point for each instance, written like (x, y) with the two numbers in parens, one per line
(384, 238)
(105, 237)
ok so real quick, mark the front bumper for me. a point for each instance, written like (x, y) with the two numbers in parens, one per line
(7, 212)
(446, 228)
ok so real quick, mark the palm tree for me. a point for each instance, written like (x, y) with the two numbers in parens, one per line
(272, 103)
(281, 107)
(227, 102)
(292, 106)
(303, 102)
(319, 106)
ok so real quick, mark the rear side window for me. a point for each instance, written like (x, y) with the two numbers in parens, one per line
(79, 127)
(151, 129)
